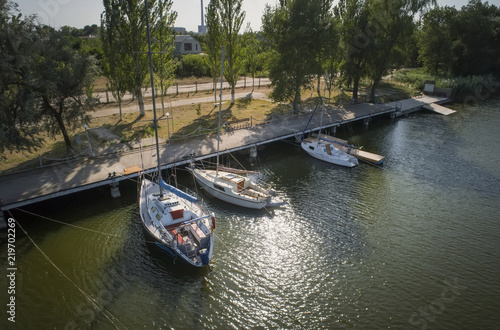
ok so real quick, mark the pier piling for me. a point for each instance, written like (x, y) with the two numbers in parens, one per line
(115, 189)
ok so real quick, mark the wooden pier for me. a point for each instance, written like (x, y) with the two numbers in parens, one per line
(36, 185)
(439, 109)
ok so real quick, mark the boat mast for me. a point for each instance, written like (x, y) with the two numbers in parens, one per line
(155, 121)
(322, 108)
(220, 110)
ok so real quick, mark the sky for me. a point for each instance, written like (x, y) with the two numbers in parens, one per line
(78, 13)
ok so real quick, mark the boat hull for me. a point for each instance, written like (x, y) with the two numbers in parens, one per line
(228, 197)
(316, 150)
(148, 187)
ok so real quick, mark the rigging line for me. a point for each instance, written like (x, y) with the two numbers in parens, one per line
(68, 224)
(94, 302)
(230, 154)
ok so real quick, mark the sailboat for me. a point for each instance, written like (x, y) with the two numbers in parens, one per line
(234, 186)
(324, 150)
(178, 224)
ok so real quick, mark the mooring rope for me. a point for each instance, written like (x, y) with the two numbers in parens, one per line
(93, 301)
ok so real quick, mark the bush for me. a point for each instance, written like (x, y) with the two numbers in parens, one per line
(477, 86)
(192, 65)
(462, 87)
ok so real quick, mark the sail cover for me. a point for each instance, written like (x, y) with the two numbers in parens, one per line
(178, 192)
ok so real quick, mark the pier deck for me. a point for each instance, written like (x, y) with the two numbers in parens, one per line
(439, 109)
(31, 186)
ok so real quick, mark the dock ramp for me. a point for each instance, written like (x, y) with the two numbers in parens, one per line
(438, 109)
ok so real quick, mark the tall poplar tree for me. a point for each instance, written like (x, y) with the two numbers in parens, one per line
(213, 43)
(129, 31)
(164, 48)
(231, 19)
(252, 51)
(113, 62)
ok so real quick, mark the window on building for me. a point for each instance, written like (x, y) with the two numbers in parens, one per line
(188, 46)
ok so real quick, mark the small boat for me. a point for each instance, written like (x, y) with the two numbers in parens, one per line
(325, 150)
(343, 145)
(177, 223)
(233, 185)
(235, 188)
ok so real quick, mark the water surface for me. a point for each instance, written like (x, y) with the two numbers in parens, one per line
(413, 244)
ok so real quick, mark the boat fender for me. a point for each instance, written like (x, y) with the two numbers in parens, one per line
(213, 221)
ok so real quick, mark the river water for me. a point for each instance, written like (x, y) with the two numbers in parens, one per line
(412, 245)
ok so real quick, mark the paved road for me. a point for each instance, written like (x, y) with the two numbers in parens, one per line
(187, 89)
(206, 99)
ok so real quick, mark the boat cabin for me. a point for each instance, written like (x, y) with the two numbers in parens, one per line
(237, 181)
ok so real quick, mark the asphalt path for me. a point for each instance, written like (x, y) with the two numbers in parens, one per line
(134, 107)
(187, 89)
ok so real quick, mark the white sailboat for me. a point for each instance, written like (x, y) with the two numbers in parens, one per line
(232, 185)
(179, 226)
(324, 150)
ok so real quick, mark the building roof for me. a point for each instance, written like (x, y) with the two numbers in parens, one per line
(182, 38)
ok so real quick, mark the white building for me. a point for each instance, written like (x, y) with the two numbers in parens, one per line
(186, 44)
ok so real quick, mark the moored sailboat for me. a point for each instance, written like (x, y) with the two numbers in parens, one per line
(233, 185)
(325, 150)
(177, 223)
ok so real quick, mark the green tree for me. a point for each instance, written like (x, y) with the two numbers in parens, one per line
(251, 52)
(392, 21)
(19, 40)
(213, 43)
(46, 84)
(128, 22)
(63, 84)
(435, 40)
(290, 30)
(164, 48)
(326, 41)
(231, 19)
(114, 62)
(355, 35)
(476, 39)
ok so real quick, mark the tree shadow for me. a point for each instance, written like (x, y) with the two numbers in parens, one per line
(121, 128)
(209, 121)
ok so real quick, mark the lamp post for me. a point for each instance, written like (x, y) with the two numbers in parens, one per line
(88, 140)
(168, 127)
(341, 92)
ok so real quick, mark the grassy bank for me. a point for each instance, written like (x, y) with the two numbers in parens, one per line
(462, 87)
